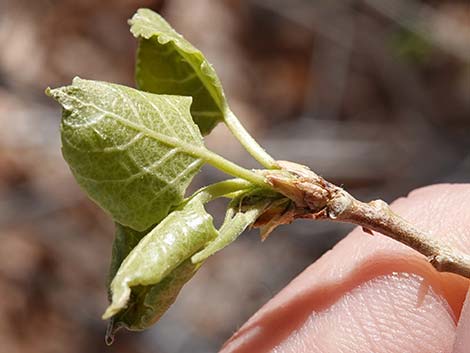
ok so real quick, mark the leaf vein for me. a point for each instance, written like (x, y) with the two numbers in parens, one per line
(167, 140)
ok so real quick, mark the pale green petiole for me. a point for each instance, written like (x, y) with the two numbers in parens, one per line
(227, 166)
(248, 142)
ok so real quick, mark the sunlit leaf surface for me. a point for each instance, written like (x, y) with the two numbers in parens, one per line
(130, 150)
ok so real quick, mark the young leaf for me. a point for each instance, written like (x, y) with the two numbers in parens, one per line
(242, 213)
(175, 239)
(148, 303)
(167, 63)
(235, 224)
(133, 152)
(125, 240)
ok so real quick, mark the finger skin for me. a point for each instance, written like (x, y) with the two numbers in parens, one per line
(370, 293)
(462, 336)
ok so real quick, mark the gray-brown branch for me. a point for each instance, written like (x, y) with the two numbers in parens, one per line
(315, 198)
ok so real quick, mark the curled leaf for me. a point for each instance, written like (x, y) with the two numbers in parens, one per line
(182, 233)
(132, 152)
(234, 225)
(148, 303)
(243, 212)
(125, 239)
(167, 63)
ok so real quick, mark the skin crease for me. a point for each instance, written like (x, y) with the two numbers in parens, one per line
(373, 294)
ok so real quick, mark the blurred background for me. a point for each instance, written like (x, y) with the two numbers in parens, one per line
(372, 94)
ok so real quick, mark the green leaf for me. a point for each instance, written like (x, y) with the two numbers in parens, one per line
(182, 233)
(235, 224)
(167, 63)
(134, 153)
(242, 212)
(148, 303)
(125, 239)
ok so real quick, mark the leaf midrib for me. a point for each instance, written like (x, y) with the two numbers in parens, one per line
(209, 87)
(190, 149)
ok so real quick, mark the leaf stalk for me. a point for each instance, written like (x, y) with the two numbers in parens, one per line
(228, 167)
(248, 142)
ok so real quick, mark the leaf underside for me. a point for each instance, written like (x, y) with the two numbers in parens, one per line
(147, 303)
(168, 64)
(181, 234)
(125, 239)
(130, 150)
